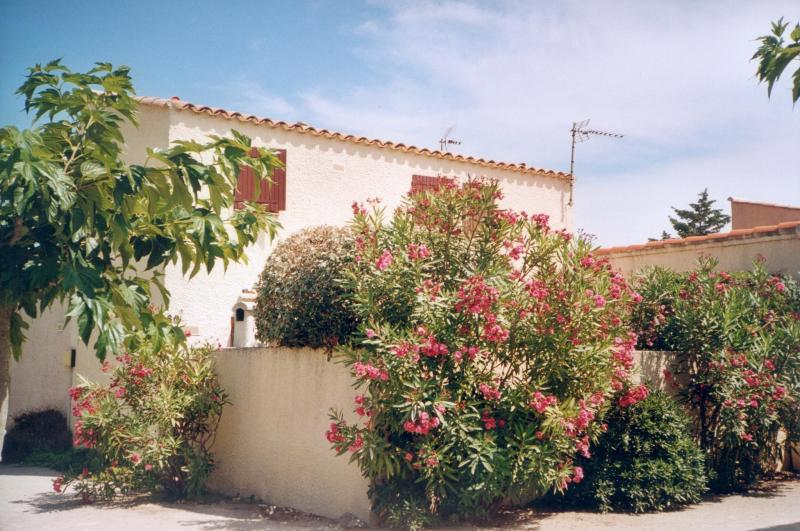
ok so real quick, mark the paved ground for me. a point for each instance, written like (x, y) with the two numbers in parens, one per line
(27, 502)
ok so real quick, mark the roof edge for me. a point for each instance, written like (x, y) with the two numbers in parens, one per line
(302, 128)
(760, 203)
(787, 227)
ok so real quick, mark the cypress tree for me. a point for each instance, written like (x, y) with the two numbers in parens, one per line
(700, 219)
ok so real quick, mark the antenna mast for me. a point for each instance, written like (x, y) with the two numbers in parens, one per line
(444, 141)
(581, 134)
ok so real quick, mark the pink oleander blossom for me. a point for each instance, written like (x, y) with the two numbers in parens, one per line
(489, 392)
(541, 402)
(633, 395)
(384, 261)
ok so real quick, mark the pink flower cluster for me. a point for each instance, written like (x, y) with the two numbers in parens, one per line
(418, 251)
(361, 410)
(542, 221)
(358, 209)
(494, 332)
(369, 371)
(623, 350)
(432, 348)
(404, 349)
(633, 395)
(541, 402)
(333, 434)
(423, 425)
(582, 446)
(476, 297)
(514, 250)
(140, 371)
(81, 437)
(537, 289)
(508, 215)
(489, 392)
(384, 260)
(490, 423)
(356, 445)
(471, 353)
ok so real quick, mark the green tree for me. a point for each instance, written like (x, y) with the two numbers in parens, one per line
(81, 226)
(774, 55)
(700, 219)
(664, 236)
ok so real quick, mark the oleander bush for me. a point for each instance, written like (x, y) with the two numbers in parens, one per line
(299, 299)
(151, 427)
(43, 430)
(647, 460)
(487, 347)
(738, 339)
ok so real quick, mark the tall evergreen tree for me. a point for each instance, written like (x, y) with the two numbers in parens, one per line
(700, 219)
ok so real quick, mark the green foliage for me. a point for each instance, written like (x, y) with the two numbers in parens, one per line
(152, 426)
(774, 55)
(647, 460)
(487, 346)
(33, 431)
(738, 339)
(299, 300)
(79, 223)
(700, 219)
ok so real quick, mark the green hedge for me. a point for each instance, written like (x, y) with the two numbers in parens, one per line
(646, 461)
(299, 301)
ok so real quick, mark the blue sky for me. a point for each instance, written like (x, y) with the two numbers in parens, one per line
(511, 76)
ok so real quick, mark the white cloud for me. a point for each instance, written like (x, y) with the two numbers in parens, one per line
(511, 76)
(253, 99)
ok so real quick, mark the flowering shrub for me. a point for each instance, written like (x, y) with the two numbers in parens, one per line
(646, 461)
(299, 301)
(152, 425)
(488, 345)
(738, 336)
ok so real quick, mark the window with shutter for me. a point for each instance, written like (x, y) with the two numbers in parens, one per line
(421, 183)
(273, 196)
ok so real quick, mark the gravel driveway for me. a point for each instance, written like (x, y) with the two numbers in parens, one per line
(27, 502)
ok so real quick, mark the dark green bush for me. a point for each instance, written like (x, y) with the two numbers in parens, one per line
(646, 461)
(300, 303)
(70, 461)
(36, 430)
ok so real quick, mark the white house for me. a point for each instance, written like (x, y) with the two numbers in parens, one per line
(325, 172)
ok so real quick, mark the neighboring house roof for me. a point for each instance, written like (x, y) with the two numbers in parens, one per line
(748, 214)
(299, 127)
(789, 227)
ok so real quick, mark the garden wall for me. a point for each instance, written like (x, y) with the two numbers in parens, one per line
(271, 439)
(779, 245)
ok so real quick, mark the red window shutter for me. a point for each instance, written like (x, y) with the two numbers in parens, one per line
(273, 196)
(421, 183)
(245, 186)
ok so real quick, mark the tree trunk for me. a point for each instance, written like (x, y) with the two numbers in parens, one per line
(5, 366)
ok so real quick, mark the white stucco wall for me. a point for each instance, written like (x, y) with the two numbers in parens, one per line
(42, 376)
(323, 179)
(271, 438)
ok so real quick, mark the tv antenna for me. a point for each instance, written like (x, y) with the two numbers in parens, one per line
(581, 134)
(445, 141)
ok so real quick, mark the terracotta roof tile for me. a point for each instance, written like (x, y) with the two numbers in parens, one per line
(299, 127)
(787, 227)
